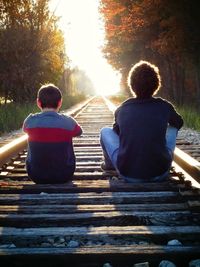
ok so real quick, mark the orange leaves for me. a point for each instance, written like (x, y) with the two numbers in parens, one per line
(146, 24)
(162, 31)
(110, 8)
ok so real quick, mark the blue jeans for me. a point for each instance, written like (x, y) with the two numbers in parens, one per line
(110, 144)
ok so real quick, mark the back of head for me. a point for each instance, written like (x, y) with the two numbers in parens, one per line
(49, 96)
(144, 79)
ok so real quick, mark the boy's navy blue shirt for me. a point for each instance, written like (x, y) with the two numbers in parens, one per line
(141, 125)
(51, 156)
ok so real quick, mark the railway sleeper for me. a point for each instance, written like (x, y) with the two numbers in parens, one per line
(96, 256)
(97, 218)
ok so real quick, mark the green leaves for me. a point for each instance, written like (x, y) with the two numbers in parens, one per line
(32, 48)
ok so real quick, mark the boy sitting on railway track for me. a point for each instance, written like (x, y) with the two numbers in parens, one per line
(141, 144)
(50, 156)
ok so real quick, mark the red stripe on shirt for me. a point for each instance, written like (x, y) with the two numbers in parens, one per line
(47, 135)
(77, 130)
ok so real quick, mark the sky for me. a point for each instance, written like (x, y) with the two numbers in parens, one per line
(84, 37)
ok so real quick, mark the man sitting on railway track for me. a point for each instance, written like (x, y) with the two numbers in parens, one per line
(141, 144)
(50, 156)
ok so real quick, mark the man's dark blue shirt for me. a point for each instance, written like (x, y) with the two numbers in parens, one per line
(141, 125)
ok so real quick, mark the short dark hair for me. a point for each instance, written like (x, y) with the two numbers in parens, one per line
(144, 79)
(49, 96)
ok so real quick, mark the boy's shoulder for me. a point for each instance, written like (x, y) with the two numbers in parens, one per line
(48, 113)
(49, 119)
(65, 117)
(58, 117)
(33, 116)
(30, 116)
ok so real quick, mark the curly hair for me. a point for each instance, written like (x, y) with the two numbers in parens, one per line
(144, 79)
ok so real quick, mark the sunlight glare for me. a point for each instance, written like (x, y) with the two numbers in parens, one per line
(84, 35)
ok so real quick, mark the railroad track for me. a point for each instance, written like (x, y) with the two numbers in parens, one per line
(96, 218)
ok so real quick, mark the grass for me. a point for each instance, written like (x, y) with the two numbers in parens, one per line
(69, 101)
(118, 99)
(12, 115)
(191, 117)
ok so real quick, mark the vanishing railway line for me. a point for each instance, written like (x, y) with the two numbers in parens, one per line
(96, 218)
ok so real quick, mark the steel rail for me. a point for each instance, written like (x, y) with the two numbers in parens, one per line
(189, 164)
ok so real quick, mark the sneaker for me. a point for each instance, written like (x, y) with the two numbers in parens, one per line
(108, 171)
(104, 167)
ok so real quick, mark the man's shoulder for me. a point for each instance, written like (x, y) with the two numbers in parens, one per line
(129, 100)
(163, 101)
(126, 102)
(132, 102)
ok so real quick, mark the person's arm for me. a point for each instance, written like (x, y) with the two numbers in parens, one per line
(25, 123)
(77, 130)
(115, 124)
(175, 118)
(24, 126)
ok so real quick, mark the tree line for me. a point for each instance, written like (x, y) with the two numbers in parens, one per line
(75, 81)
(32, 48)
(164, 32)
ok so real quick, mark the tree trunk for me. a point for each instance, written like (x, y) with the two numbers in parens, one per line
(180, 86)
(124, 83)
(197, 84)
(172, 79)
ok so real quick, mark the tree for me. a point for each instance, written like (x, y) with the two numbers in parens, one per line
(75, 81)
(32, 48)
(163, 32)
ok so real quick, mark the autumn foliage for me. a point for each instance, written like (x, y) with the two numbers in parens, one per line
(32, 48)
(167, 33)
